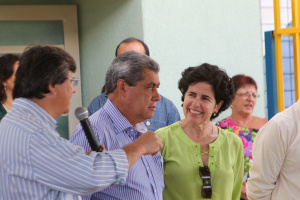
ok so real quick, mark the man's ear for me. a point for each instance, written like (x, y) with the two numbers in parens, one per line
(52, 88)
(121, 87)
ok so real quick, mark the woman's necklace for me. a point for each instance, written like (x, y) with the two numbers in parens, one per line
(207, 152)
(7, 106)
(197, 139)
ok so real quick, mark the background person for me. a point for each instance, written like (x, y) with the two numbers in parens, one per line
(276, 158)
(131, 85)
(241, 121)
(35, 162)
(9, 64)
(201, 160)
(165, 114)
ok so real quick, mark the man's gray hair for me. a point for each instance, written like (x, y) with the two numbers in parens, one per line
(129, 66)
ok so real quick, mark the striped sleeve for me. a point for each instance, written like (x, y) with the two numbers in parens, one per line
(65, 167)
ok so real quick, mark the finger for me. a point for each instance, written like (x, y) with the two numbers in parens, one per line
(103, 148)
(88, 153)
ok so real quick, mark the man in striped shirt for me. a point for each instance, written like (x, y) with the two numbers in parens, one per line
(35, 162)
(131, 85)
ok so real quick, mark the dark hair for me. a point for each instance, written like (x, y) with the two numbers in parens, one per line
(130, 66)
(7, 63)
(39, 66)
(221, 83)
(241, 80)
(132, 39)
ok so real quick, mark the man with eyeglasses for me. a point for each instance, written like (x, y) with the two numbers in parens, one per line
(35, 162)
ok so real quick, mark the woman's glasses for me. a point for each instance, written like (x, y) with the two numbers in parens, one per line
(206, 191)
(247, 94)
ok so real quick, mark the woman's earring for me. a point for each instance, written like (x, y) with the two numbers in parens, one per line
(4, 87)
(215, 113)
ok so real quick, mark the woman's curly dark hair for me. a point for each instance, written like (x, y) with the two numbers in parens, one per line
(7, 63)
(219, 80)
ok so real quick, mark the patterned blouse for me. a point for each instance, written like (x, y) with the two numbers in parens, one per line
(247, 135)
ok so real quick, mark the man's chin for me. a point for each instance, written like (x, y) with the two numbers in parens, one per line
(150, 116)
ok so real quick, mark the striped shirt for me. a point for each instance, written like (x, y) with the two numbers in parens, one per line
(145, 178)
(36, 163)
(165, 114)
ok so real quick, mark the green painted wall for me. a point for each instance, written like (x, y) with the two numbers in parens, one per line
(187, 33)
(179, 34)
(102, 25)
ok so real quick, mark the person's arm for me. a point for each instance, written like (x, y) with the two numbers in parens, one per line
(97, 103)
(65, 167)
(147, 143)
(268, 157)
(238, 171)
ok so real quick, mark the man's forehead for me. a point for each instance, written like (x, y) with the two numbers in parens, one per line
(150, 77)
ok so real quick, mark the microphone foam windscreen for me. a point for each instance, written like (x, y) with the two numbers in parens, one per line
(81, 113)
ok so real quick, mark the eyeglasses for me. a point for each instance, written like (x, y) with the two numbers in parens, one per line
(247, 94)
(206, 191)
(74, 81)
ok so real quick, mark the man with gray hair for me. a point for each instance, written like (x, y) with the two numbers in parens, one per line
(131, 84)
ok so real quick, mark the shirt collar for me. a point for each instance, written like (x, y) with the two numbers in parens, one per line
(35, 109)
(120, 122)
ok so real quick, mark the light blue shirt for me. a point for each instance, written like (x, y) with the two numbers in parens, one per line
(165, 114)
(145, 179)
(36, 163)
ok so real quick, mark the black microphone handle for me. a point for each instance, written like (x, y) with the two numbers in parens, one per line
(90, 135)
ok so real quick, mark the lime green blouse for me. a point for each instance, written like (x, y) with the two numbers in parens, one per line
(182, 159)
(2, 111)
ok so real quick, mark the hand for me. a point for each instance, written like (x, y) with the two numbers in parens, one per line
(243, 194)
(148, 143)
(101, 146)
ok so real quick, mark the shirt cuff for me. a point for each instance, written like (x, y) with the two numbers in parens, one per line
(121, 163)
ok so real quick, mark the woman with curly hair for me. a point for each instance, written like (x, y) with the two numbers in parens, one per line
(9, 64)
(202, 161)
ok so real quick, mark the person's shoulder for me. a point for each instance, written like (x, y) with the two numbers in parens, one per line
(167, 129)
(97, 103)
(98, 98)
(224, 123)
(258, 122)
(165, 100)
(99, 117)
(169, 106)
(230, 136)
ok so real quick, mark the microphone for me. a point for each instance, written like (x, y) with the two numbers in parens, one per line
(81, 114)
